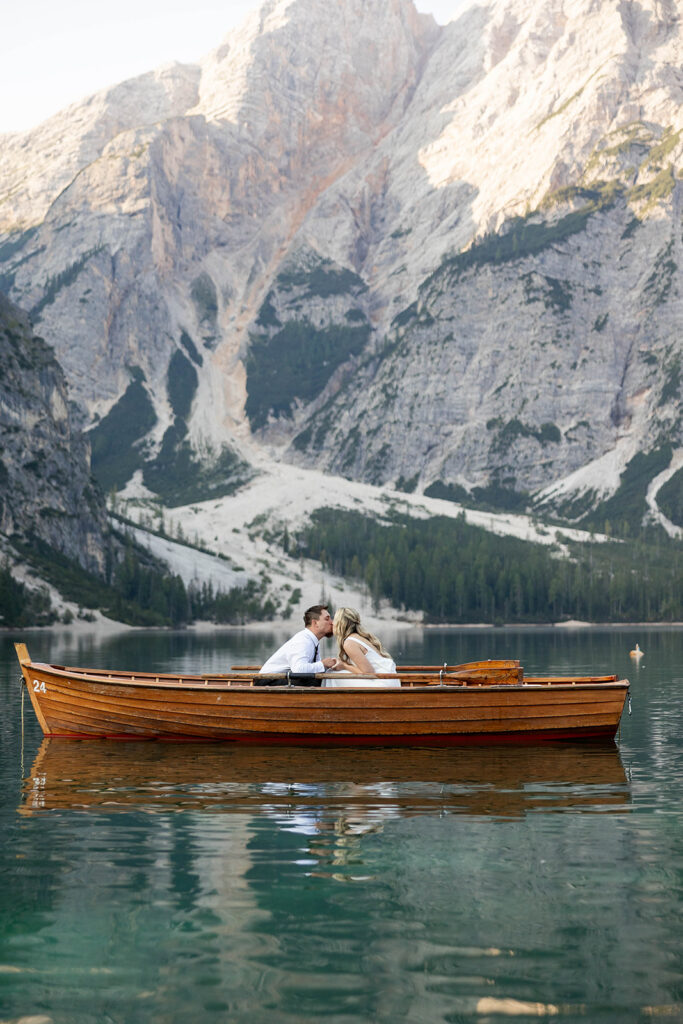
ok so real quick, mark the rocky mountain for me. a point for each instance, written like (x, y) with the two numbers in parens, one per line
(446, 258)
(47, 495)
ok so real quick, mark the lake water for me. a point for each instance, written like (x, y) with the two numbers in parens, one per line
(164, 883)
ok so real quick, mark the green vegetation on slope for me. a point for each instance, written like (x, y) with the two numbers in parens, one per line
(205, 299)
(191, 349)
(179, 478)
(114, 455)
(322, 280)
(140, 591)
(296, 363)
(20, 605)
(507, 432)
(182, 383)
(448, 492)
(495, 497)
(455, 572)
(670, 498)
(524, 236)
(63, 280)
(175, 474)
(623, 513)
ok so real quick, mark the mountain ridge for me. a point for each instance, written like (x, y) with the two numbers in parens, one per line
(335, 195)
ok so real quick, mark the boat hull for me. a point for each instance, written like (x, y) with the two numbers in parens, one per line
(72, 703)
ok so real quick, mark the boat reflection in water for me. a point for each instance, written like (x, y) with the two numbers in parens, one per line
(350, 790)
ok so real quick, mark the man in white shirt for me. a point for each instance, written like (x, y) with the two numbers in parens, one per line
(301, 653)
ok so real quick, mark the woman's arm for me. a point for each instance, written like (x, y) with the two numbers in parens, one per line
(360, 666)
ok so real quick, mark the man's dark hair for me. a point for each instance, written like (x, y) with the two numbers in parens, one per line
(313, 613)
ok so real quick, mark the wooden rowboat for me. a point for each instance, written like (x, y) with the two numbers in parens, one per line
(479, 701)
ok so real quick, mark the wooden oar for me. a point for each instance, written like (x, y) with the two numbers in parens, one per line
(503, 673)
(482, 667)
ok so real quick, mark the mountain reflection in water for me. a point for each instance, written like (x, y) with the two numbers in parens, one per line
(315, 790)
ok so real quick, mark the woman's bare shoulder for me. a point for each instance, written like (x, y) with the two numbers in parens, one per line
(354, 638)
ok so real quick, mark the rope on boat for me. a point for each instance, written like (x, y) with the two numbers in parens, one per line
(628, 697)
(23, 687)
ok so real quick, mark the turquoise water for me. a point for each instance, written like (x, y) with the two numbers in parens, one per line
(146, 882)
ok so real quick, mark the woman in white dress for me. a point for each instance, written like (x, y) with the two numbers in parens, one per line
(361, 652)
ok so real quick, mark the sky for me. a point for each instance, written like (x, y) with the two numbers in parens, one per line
(55, 52)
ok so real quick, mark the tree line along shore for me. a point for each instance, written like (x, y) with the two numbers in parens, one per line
(441, 568)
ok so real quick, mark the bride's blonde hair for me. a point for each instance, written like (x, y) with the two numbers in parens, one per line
(346, 622)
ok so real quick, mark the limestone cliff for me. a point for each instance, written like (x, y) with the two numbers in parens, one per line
(445, 257)
(46, 491)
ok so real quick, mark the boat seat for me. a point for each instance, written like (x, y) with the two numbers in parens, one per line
(361, 682)
(293, 680)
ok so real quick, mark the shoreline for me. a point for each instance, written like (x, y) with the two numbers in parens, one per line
(573, 624)
(106, 627)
